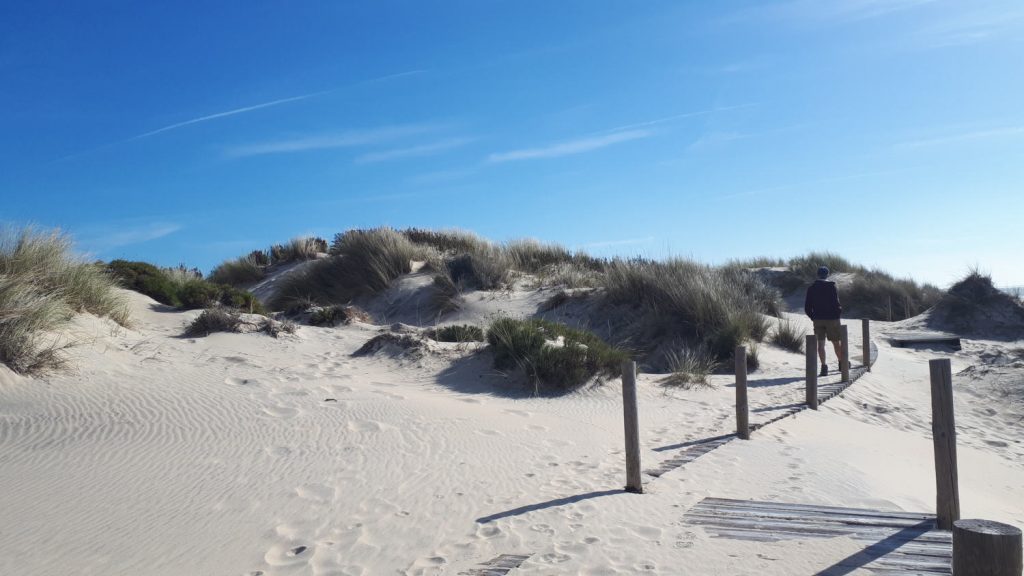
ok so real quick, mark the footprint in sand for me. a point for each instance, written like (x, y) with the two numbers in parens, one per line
(280, 411)
(316, 493)
(282, 555)
(240, 381)
(522, 413)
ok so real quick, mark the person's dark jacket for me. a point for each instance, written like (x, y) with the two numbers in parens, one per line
(822, 301)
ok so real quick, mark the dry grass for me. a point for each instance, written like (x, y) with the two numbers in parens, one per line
(789, 336)
(42, 284)
(689, 367)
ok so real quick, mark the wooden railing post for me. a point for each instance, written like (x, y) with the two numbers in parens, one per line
(633, 481)
(811, 343)
(947, 493)
(742, 413)
(865, 329)
(844, 362)
(986, 548)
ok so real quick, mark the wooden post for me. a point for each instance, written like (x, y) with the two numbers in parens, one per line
(947, 492)
(633, 482)
(844, 362)
(811, 343)
(742, 414)
(986, 548)
(865, 329)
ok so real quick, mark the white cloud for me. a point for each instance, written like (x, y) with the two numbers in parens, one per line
(114, 235)
(347, 139)
(414, 151)
(571, 147)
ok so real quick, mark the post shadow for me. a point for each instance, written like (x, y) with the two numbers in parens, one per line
(878, 549)
(548, 504)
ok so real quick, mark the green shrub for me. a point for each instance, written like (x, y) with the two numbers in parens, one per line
(147, 279)
(788, 335)
(42, 284)
(554, 357)
(457, 333)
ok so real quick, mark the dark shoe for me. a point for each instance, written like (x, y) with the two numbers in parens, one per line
(824, 370)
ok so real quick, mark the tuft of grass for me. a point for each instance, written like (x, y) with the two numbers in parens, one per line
(789, 336)
(457, 333)
(297, 250)
(719, 308)
(689, 367)
(444, 296)
(213, 320)
(218, 319)
(42, 284)
(242, 271)
(362, 263)
(555, 357)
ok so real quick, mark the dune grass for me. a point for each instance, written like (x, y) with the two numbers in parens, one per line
(362, 263)
(555, 357)
(253, 267)
(689, 367)
(457, 333)
(42, 284)
(714, 307)
(219, 319)
(789, 336)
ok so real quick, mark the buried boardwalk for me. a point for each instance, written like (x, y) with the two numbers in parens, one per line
(894, 542)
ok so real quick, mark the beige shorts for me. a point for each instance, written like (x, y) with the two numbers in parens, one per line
(829, 328)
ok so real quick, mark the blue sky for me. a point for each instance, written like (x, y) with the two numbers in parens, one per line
(891, 131)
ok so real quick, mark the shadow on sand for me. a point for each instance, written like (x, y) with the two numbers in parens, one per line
(877, 550)
(548, 504)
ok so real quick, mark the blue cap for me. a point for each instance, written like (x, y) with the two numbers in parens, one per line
(823, 272)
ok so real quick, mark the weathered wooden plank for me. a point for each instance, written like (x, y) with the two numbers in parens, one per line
(498, 566)
(865, 533)
(833, 523)
(812, 508)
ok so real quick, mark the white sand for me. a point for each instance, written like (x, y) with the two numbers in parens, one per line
(242, 454)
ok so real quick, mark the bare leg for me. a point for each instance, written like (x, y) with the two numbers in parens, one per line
(821, 350)
(838, 345)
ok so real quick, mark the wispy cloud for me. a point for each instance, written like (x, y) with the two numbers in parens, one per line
(570, 147)
(964, 136)
(414, 151)
(816, 182)
(346, 139)
(108, 236)
(683, 116)
(226, 113)
(715, 139)
(269, 104)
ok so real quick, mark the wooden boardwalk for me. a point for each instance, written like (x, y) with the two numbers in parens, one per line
(904, 339)
(693, 450)
(499, 566)
(904, 543)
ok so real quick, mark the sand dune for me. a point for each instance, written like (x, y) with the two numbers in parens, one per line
(244, 454)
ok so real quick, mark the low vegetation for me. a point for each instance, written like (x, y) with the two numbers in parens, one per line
(42, 285)
(334, 315)
(457, 333)
(219, 319)
(716, 308)
(788, 335)
(183, 291)
(689, 367)
(253, 267)
(555, 357)
(870, 293)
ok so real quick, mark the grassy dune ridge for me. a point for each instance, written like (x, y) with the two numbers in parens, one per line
(43, 283)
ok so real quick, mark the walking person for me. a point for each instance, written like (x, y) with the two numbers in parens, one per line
(823, 308)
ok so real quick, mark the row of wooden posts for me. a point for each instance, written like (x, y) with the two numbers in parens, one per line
(979, 546)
